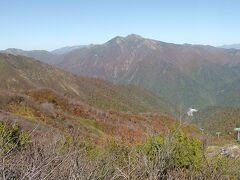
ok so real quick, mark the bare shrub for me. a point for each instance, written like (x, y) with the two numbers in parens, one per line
(154, 160)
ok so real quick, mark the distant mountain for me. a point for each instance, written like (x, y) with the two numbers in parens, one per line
(231, 46)
(186, 75)
(19, 73)
(68, 49)
(41, 55)
(49, 57)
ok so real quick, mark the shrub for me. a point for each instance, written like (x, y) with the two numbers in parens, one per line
(187, 152)
(180, 150)
(161, 157)
(153, 145)
(91, 149)
(12, 137)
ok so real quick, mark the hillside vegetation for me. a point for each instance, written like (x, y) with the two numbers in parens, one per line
(218, 119)
(169, 156)
(22, 73)
(49, 109)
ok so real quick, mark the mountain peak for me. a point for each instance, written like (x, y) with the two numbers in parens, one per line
(117, 40)
(13, 50)
(130, 37)
(134, 36)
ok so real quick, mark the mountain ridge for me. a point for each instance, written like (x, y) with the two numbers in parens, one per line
(231, 46)
(185, 74)
(194, 73)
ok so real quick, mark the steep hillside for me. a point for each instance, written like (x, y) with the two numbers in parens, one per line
(19, 73)
(218, 119)
(55, 115)
(230, 94)
(189, 75)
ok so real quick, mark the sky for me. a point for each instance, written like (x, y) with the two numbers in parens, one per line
(50, 24)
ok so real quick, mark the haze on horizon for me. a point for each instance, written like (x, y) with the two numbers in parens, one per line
(52, 24)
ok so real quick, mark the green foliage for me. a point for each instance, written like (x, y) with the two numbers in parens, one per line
(24, 138)
(184, 152)
(65, 144)
(187, 151)
(21, 110)
(118, 150)
(68, 143)
(220, 162)
(153, 145)
(12, 137)
(91, 149)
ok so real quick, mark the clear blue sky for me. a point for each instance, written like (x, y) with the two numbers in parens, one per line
(49, 24)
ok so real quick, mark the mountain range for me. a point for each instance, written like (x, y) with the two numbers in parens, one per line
(231, 46)
(68, 49)
(185, 75)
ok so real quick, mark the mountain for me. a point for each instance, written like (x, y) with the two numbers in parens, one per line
(49, 57)
(68, 49)
(19, 73)
(231, 46)
(186, 75)
(42, 55)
